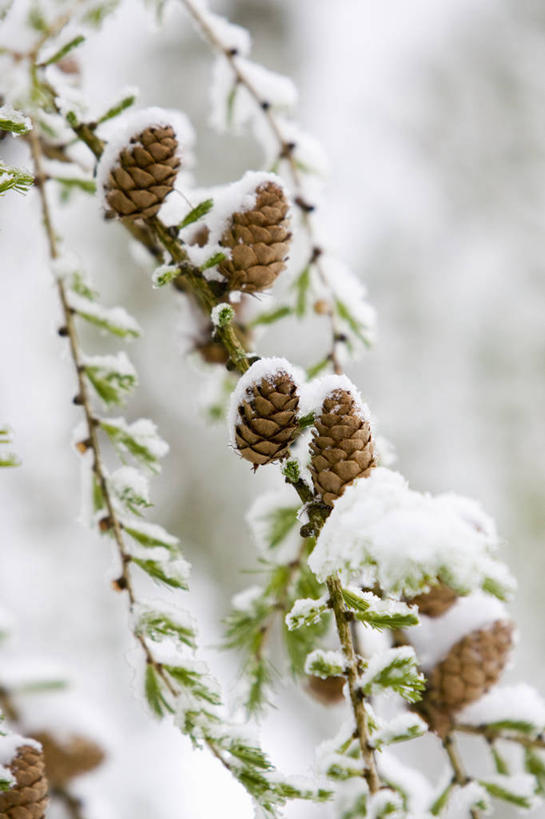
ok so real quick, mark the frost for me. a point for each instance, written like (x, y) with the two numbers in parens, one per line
(265, 368)
(315, 392)
(222, 314)
(105, 316)
(132, 123)
(244, 600)
(273, 521)
(433, 637)
(380, 531)
(325, 663)
(520, 704)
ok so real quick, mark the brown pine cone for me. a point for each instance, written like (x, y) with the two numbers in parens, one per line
(438, 600)
(144, 174)
(266, 420)
(472, 666)
(65, 760)
(27, 799)
(259, 241)
(341, 448)
(328, 691)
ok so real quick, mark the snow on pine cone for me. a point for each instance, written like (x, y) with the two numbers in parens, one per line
(438, 600)
(259, 241)
(472, 666)
(342, 447)
(27, 798)
(263, 413)
(64, 760)
(140, 163)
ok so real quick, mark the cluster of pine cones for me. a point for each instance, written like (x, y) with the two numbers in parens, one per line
(45, 765)
(266, 424)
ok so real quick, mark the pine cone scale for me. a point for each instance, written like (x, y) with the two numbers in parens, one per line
(27, 799)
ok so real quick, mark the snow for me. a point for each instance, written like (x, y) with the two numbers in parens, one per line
(153, 531)
(222, 314)
(146, 607)
(380, 531)
(275, 89)
(400, 725)
(115, 316)
(462, 799)
(118, 363)
(65, 264)
(306, 611)
(258, 519)
(521, 784)
(9, 113)
(244, 600)
(9, 745)
(307, 151)
(315, 392)
(129, 481)
(384, 800)
(86, 515)
(235, 197)
(410, 781)
(230, 35)
(347, 289)
(515, 703)
(265, 368)
(321, 658)
(378, 662)
(433, 637)
(144, 432)
(383, 606)
(131, 123)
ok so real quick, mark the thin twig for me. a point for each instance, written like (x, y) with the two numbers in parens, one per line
(491, 734)
(458, 769)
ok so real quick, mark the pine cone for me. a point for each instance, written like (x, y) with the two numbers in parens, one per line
(266, 423)
(65, 760)
(27, 799)
(438, 600)
(259, 241)
(144, 174)
(472, 666)
(328, 691)
(341, 448)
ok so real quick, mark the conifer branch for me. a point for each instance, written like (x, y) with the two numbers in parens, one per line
(124, 582)
(286, 150)
(491, 734)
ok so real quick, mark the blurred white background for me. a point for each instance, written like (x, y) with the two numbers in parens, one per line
(433, 118)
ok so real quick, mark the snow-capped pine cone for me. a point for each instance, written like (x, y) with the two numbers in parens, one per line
(259, 241)
(267, 419)
(144, 174)
(328, 691)
(65, 760)
(341, 447)
(438, 600)
(472, 666)
(27, 799)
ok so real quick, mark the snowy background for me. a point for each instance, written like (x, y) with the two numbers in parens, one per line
(433, 119)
